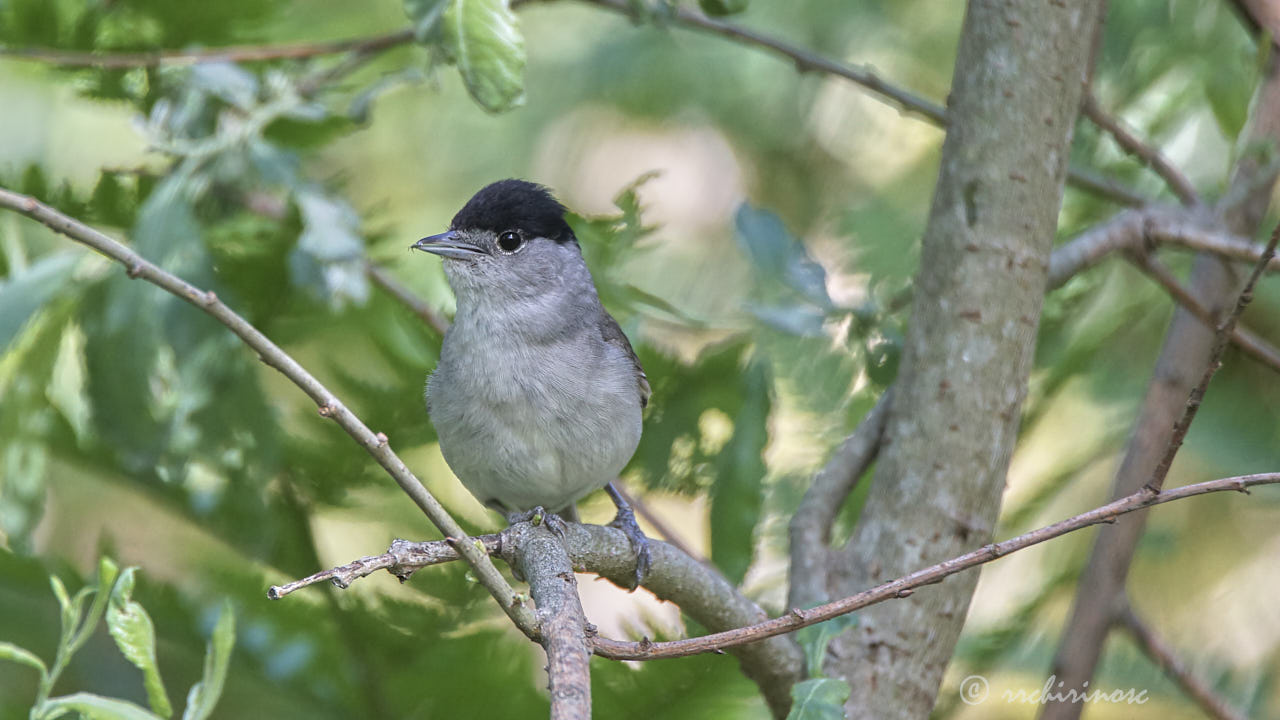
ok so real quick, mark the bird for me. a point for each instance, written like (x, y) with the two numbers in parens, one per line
(538, 397)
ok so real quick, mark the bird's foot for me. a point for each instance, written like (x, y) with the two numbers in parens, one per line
(625, 521)
(540, 516)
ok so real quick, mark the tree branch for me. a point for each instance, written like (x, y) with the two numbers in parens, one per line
(681, 580)
(1147, 154)
(1138, 231)
(905, 100)
(905, 586)
(1164, 656)
(329, 405)
(700, 592)
(810, 527)
(238, 53)
(1248, 341)
(1221, 336)
(542, 560)
(405, 296)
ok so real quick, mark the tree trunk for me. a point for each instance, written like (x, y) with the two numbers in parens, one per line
(936, 493)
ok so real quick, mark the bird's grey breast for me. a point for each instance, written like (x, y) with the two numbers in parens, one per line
(533, 413)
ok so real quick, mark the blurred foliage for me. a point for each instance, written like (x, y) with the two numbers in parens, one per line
(754, 230)
(134, 633)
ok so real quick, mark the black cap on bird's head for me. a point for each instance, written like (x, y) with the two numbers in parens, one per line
(516, 210)
(515, 205)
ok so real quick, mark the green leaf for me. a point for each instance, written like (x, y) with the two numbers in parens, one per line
(482, 38)
(131, 627)
(799, 319)
(204, 694)
(815, 638)
(779, 257)
(737, 495)
(1228, 91)
(818, 699)
(107, 572)
(722, 7)
(66, 388)
(64, 602)
(24, 293)
(22, 656)
(96, 707)
(23, 491)
(111, 202)
(883, 352)
(330, 251)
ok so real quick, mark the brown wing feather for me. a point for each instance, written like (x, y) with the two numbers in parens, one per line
(611, 333)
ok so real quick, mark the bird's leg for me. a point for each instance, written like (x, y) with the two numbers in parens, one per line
(625, 521)
(539, 516)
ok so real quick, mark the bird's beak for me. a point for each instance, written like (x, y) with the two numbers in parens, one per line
(448, 244)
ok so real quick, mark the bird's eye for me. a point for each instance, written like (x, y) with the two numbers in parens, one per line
(510, 241)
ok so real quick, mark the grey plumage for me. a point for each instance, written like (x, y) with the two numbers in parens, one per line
(537, 397)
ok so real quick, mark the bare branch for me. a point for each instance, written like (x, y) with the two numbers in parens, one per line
(1248, 341)
(905, 100)
(1164, 656)
(810, 527)
(1147, 154)
(239, 53)
(1139, 231)
(328, 404)
(542, 559)
(905, 586)
(593, 548)
(402, 559)
(1222, 335)
(1220, 242)
(405, 296)
(1122, 232)
(804, 60)
(700, 592)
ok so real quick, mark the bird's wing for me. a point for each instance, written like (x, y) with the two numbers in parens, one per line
(611, 333)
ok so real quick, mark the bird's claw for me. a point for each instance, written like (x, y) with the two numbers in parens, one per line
(625, 521)
(540, 516)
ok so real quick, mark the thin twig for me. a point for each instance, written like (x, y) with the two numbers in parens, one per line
(1148, 154)
(1191, 237)
(328, 404)
(905, 100)
(1248, 341)
(905, 586)
(1221, 337)
(406, 297)
(402, 559)
(1164, 656)
(238, 53)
